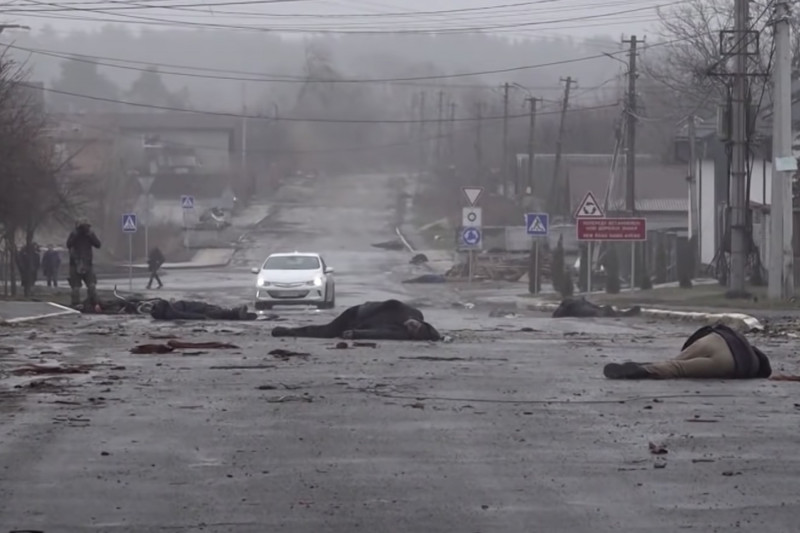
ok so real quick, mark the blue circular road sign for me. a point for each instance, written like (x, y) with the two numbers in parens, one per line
(471, 236)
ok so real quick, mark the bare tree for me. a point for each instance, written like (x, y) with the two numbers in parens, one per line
(33, 192)
(692, 67)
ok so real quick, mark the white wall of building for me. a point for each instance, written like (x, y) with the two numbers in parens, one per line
(760, 191)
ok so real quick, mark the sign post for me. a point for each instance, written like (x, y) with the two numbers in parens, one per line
(187, 204)
(536, 225)
(146, 182)
(471, 223)
(129, 225)
(592, 228)
(588, 209)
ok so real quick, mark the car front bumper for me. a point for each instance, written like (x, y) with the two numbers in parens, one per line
(289, 296)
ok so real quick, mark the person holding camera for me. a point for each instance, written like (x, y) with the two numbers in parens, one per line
(81, 244)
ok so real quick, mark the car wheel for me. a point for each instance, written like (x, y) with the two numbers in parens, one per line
(328, 304)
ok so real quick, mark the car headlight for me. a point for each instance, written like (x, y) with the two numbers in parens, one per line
(263, 283)
(317, 282)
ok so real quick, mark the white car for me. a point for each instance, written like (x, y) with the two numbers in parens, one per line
(295, 279)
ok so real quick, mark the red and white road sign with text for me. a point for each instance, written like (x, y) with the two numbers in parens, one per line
(612, 229)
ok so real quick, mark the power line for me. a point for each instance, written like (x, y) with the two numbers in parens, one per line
(289, 79)
(282, 118)
(341, 32)
(126, 5)
(247, 76)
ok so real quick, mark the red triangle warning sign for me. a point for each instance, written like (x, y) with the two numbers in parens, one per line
(589, 208)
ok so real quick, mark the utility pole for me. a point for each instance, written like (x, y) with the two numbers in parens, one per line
(504, 153)
(630, 156)
(422, 142)
(630, 162)
(554, 194)
(694, 196)
(531, 140)
(479, 143)
(781, 257)
(451, 133)
(738, 200)
(439, 118)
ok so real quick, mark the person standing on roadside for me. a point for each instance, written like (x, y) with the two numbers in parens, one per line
(51, 263)
(154, 261)
(81, 243)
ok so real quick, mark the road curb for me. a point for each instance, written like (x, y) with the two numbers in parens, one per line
(738, 321)
(62, 311)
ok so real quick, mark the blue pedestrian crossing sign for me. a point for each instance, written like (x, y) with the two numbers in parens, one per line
(187, 202)
(537, 224)
(471, 236)
(129, 223)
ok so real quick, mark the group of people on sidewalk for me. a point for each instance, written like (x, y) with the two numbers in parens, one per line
(81, 243)
(30, 260)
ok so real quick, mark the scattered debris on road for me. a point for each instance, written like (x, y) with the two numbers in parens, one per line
(242, 367)
(38, 370)
(419, 259)
(658, 449)
(434, 358)
(365, 344)
(291, 398)
(394, 245)
(285, 355)
(427, 278)
(173, 345)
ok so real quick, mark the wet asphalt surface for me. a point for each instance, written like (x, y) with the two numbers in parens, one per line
(509, 428)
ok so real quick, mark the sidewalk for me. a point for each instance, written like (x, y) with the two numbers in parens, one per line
(12, 312)
(203, 258)
(439, 261)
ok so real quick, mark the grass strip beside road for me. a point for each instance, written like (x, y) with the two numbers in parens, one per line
(698, 298)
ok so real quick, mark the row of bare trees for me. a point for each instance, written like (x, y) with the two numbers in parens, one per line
(34, 189)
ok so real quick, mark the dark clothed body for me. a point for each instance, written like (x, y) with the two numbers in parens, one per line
(582, 308)
(371, 320)
(750, 361)
(194, 310)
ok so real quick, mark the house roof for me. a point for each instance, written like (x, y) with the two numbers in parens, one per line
(658, 186)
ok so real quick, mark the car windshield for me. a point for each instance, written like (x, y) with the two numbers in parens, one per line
(292, 262)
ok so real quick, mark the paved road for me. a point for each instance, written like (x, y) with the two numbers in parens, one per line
(510, 428)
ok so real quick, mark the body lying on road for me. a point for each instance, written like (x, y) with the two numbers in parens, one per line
(582, 308)
(712, 352)
(194, 310)
(386, 320)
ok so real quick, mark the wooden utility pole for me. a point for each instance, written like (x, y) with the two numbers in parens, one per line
(531, 140)
(630, 152)
(638, 250)
(439, 119)
(738, 193)
(694, 196)
(451, 133)
(781, 263)
(554, 195)
(479, 178)
(422, 142)
(504, 153)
